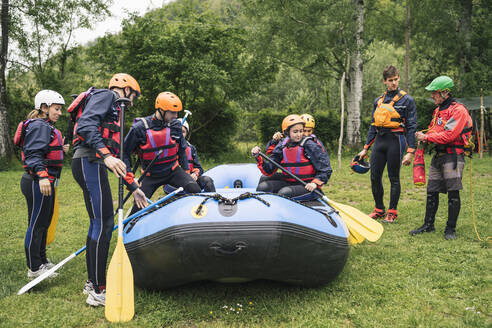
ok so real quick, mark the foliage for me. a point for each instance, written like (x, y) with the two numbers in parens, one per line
(327, 126)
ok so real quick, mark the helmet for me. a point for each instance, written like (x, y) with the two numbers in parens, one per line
(310, 122)
(123, 80)
(358, 165)
(291, 120)
(440, 83)
(47, 97)
(185, 124)
(168, 101)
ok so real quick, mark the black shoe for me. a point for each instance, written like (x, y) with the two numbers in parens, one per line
(449, 234)
(427, 227)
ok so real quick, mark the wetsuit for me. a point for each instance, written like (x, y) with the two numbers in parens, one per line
(389, 146)
(42, 154)
(308, 162)
(205, 182)
(147, 137)
(97, 132)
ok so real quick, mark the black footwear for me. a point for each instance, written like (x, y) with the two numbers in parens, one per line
(449, 234)
(427, 227)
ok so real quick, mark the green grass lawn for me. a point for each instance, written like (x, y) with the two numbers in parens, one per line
(399, 281)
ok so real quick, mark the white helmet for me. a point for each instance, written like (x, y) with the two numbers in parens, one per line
(186, 125)
(47, 97)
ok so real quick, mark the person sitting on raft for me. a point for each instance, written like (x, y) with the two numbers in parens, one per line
(162, 130)
(309, 129)
(300, 155)
(195, 167)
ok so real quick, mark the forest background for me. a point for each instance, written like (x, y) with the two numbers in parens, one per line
(240, 65)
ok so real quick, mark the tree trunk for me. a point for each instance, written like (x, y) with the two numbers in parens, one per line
(407, 49)
(354, 98)
(5, 142)
(342, 118)
(465, 30)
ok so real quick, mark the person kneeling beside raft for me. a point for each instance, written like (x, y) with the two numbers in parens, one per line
(301, 156)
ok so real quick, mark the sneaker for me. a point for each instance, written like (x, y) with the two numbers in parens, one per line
(96, 299)
(391, 216)
(88, 287)
(42, 269)
(49, 264)
(377, 213)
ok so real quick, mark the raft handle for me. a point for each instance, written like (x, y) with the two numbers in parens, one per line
(229, 250)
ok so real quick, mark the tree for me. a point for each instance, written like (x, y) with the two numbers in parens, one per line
(39, 29)
(195, 54)
(316, 37)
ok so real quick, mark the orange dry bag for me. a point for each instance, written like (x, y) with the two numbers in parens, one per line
(419, 167)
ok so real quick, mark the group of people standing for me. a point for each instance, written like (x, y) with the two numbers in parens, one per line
(159, 139)
(393, 137)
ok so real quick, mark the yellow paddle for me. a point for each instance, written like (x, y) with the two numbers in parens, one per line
(50, 236)
(359, 224)
(119, 286)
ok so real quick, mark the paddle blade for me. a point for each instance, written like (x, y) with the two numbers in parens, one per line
(358, 221)
(119, 286)
(50, 236)
(354, 237)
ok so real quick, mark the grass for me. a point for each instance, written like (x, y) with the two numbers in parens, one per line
(399, 281)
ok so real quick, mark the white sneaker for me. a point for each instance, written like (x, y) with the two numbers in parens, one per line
(49, 264)
(42, 269)
(95, 299)
(88, 287)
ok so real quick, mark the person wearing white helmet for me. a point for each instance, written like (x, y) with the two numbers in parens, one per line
(42, 158)
(195, 167)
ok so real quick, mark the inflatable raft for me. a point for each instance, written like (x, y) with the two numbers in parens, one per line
(236, 235)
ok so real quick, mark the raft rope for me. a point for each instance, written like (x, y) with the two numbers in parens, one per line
(228, 201)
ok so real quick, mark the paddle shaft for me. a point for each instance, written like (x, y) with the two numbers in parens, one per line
(292, 175)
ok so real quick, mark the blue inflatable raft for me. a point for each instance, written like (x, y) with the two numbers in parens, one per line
(236, 235)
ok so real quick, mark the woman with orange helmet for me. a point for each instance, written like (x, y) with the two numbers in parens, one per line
(96, 145)
(161, 131)
(298, 154)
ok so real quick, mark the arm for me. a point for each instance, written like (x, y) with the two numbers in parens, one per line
(411, 124)
(96, 109)
(452, 130)
(196, 161)
(320, 161)
(36, 142)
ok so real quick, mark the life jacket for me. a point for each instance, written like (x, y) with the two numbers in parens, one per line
(109, 128)
(189, 156)
(157, 140)
(296, 162)
(54, 157)
(464, 143)
(315, 139)
(385, 115)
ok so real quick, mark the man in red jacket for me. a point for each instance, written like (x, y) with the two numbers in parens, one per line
(450, 130)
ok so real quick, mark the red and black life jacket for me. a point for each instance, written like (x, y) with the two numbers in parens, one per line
(157, 140)
(189, 156)
(296, 162)
(438, 124)
(109, 128)
(54, 156)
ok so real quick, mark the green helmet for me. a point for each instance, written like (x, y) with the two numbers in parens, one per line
(440, 83)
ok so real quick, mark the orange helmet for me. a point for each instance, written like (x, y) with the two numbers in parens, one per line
(122, 80)
(291, 120)
(310, 122)
(168, 101)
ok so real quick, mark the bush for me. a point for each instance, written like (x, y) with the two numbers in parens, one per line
(212, 128)
(327, 125)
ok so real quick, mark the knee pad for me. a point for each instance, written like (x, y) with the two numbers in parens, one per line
(286, 192)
